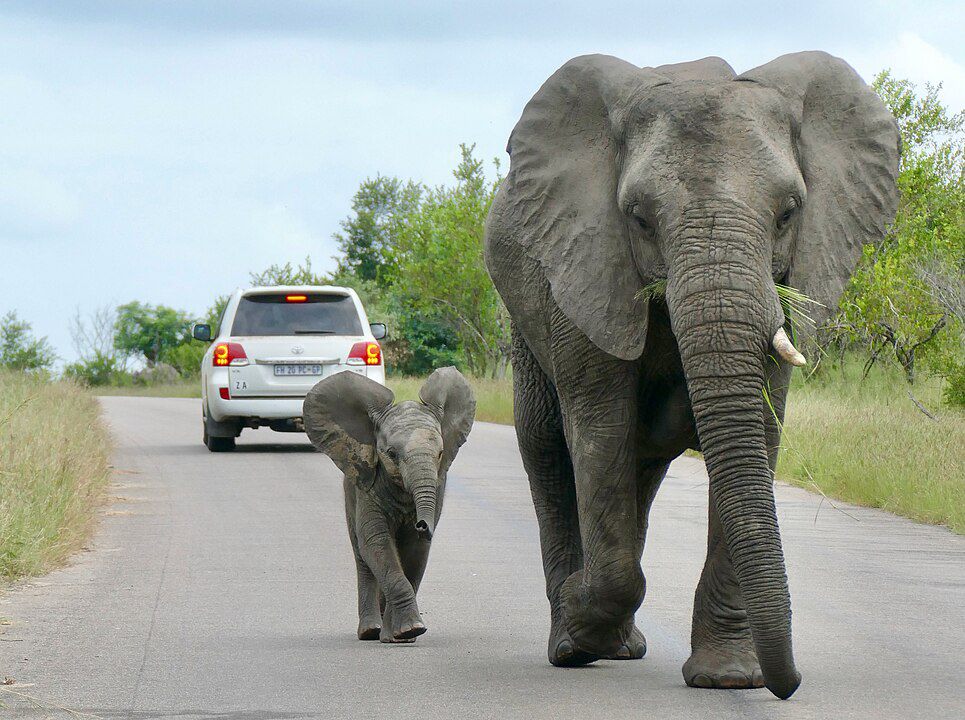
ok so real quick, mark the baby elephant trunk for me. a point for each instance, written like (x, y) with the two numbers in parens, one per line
(425, 509)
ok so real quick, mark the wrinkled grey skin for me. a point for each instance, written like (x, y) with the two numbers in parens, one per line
(395, 459)
(722, 186)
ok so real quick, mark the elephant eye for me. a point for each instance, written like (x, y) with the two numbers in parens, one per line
(392, 454)
(641, 221)
(788, 214)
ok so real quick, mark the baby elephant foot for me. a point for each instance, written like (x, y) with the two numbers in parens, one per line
(723, 667)
(633, 648)
(370, 629)
(562, 651)
(403, 625)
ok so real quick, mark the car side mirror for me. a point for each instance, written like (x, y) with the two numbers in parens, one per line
(379, 331)
(202, 332)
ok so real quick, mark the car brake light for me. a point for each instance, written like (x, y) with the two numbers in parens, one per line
(224, 393)
(229, 354)
(296, 298)
(365, 353)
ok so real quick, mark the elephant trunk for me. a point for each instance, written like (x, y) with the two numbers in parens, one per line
(425, 511)
(422, 482)
(724, 318)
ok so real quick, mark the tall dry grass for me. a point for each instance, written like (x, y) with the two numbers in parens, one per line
(54, 466)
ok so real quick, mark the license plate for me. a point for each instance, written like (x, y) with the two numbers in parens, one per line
(298, 369)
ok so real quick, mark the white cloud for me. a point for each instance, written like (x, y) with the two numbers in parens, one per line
(911, 57)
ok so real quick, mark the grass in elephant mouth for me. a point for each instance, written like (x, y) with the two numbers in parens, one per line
(54, 455)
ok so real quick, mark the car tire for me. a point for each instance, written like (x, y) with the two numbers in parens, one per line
(215, 444)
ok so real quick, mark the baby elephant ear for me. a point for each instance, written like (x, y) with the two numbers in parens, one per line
(449, 396)
(340, 415)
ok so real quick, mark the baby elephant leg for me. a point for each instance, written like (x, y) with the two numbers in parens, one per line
(413, 554)
(370, 612)
(401, 621)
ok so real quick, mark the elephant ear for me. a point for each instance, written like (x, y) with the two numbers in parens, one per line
(340, 415)
(559, 200)
(448, 395)
(848, 146)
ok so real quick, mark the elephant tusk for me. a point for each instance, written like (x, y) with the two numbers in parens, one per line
(785, 348)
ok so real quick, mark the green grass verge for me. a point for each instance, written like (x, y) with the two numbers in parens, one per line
(494, 398)
(868, 444)
(54, 466)
(181, 389)
(862, 441)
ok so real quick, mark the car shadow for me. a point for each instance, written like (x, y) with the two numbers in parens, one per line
(274, 448)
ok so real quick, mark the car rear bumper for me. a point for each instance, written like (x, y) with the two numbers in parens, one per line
(247, 408)
(271, 408)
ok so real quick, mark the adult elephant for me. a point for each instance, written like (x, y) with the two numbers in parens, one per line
(721, 186)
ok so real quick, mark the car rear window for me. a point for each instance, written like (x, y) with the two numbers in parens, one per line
(302, 314)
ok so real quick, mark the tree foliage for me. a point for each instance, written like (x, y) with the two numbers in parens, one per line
(148, 331)
(414, 255)
(20, 349)
(286, 274)
(438, 255)
(368, 237)
(904, 301)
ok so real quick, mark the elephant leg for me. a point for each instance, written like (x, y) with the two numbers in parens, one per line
(598, 401)
(722, 648)
(649, 476)
(542, 444)
(370, 615)
(401, 621)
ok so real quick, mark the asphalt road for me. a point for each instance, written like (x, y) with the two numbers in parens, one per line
(222, 586)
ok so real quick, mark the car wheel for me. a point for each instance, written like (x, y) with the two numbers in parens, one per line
(215, 444)
(219, 444)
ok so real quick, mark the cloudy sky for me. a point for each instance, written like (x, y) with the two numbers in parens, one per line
(162, 150)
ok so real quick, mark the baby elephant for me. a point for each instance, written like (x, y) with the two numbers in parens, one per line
(395, 459)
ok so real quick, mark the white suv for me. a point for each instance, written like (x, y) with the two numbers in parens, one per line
(273, 345)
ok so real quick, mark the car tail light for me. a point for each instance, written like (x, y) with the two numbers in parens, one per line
(365, 353)
(224, 393)
(229, 354)
(296, 298)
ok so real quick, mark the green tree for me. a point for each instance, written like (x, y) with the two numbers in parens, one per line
(19, 349)
(368, 236)
(212, 316)
(901, 301)
(286, 274)
(440, 273)
(150, 330)
(93, 337)
(96, 370)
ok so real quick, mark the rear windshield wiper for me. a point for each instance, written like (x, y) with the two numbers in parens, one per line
(315, 332)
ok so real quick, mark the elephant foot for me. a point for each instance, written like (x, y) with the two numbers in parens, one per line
(633, 648)
(723, 667)
(590, 632)
(401, 625)
(369, 630)
(561, 649)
